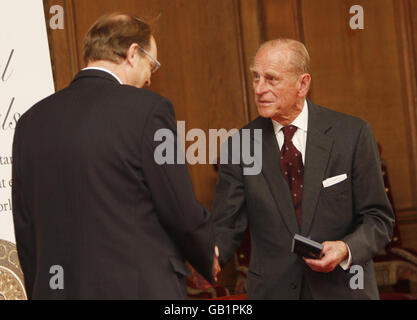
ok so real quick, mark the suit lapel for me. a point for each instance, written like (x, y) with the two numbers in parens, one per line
(271, 170)
(318, 149)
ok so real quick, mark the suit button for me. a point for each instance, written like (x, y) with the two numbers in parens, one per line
(293, 286)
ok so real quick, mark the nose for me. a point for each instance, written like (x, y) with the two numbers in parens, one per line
(260, 86)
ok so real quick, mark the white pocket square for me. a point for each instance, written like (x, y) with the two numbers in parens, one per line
(333, 180)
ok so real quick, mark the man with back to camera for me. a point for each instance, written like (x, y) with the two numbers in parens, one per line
(321, 178)
(88, 195)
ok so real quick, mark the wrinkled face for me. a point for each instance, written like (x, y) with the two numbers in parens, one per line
(144, 66)
(276, 86)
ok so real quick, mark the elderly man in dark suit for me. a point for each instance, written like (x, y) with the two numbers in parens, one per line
(321, 178)
(90, 199)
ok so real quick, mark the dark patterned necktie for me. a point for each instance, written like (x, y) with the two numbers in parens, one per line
(291, 163)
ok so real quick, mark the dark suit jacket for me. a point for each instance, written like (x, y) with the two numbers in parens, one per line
(89, 196)
(356, 210)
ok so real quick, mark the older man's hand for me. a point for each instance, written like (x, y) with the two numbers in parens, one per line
(334, 252)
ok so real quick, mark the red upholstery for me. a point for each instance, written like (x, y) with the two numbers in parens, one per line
(233, 297)
(398, 296)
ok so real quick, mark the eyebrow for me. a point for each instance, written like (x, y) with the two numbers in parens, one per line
(268, 73)
(273, 74)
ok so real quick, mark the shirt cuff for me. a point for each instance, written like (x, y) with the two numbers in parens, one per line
(345, 264)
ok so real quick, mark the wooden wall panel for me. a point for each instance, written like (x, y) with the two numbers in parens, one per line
(251, 22)
(62, 44)
(358, 72)
(406, 18)
(282, 19)
(413, 26)
(405, 28)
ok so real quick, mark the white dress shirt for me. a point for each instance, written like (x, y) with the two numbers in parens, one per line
(300, 136)
(105, 70)
(299, 140)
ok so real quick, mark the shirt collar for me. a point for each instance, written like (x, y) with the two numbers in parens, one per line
(301, 122)
(105, 70)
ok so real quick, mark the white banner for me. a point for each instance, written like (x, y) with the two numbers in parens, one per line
(25, 78)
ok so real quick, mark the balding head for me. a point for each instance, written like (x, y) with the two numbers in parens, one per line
(122, 44)
(111, 36)
(291, 52)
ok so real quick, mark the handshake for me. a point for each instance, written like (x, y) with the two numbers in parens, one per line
(216, 266)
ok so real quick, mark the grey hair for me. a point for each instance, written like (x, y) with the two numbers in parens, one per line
(298, 57)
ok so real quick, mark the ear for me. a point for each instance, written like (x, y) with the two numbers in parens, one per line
(131, 53)
(304, 84)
